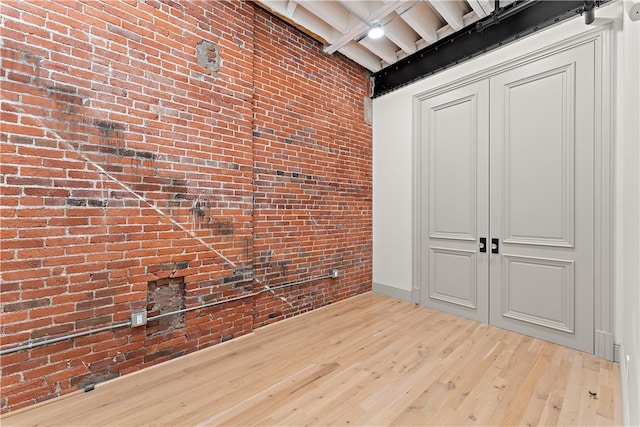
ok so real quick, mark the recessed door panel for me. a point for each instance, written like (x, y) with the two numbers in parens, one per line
(452, 169)
(538, 147)
(455, 152)
(539, 291)
(453, 277)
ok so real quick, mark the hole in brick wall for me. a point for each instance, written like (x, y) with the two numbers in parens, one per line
(164, 296)
(208, 56)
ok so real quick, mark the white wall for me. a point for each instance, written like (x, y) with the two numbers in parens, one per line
(393, 179)
(392, 176)
(627, 219)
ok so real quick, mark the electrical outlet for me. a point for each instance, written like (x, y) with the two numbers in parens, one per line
(139, 318)
(334, 273)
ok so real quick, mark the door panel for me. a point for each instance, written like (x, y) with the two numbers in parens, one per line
(539, 291)
(538, 147)
(541, 191)
(454, 134)
(453, 169)
(453, 277)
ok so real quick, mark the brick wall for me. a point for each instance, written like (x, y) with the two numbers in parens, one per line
(139, 176)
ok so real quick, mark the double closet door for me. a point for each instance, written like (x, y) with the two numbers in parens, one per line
(507, 198)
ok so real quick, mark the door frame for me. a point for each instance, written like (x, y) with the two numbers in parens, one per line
(602, 39)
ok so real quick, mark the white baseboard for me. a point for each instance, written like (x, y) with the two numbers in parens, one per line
(390, 291)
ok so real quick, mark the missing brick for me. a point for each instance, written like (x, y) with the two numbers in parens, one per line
(165, 296)
(208, 56)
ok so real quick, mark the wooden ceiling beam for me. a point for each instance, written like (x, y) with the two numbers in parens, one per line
(450, 11)
(302, 19)
(291, 8)
(382, 47)
(362, 56)
(330, 12)
(399, 32)
(410, 25)
(421, 19)
(487, 5)
(477, 8)
(359, 29)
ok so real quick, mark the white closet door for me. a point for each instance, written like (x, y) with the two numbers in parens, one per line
(454, 141)
(541, 191)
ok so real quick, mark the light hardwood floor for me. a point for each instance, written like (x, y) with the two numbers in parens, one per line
(369, 360)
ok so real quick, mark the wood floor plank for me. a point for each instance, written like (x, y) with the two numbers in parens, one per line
(369, 360)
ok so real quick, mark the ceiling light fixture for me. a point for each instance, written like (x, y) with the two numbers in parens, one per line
(376, 32)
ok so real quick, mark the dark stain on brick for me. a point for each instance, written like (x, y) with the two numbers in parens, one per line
(115, 194)
(109, 130)
(232, 278)
(76, 202)
(198, 212)
(31, 59)
(184, 196)
(26, 305)
(246, 246)
(221, 228)
(63, 89)
(67, 99)
(105, 149)
(245, 270)
(226, 338)
(22, 140)
(98, 203)
(177, 354)
(145, 154)
(122, 152)
(125, 152)
(171, 266)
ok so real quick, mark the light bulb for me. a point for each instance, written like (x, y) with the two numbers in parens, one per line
(375, 32)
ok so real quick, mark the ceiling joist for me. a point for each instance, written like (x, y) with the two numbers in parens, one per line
(410, 25)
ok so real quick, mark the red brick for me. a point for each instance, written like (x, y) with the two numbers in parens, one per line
(121, 81)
